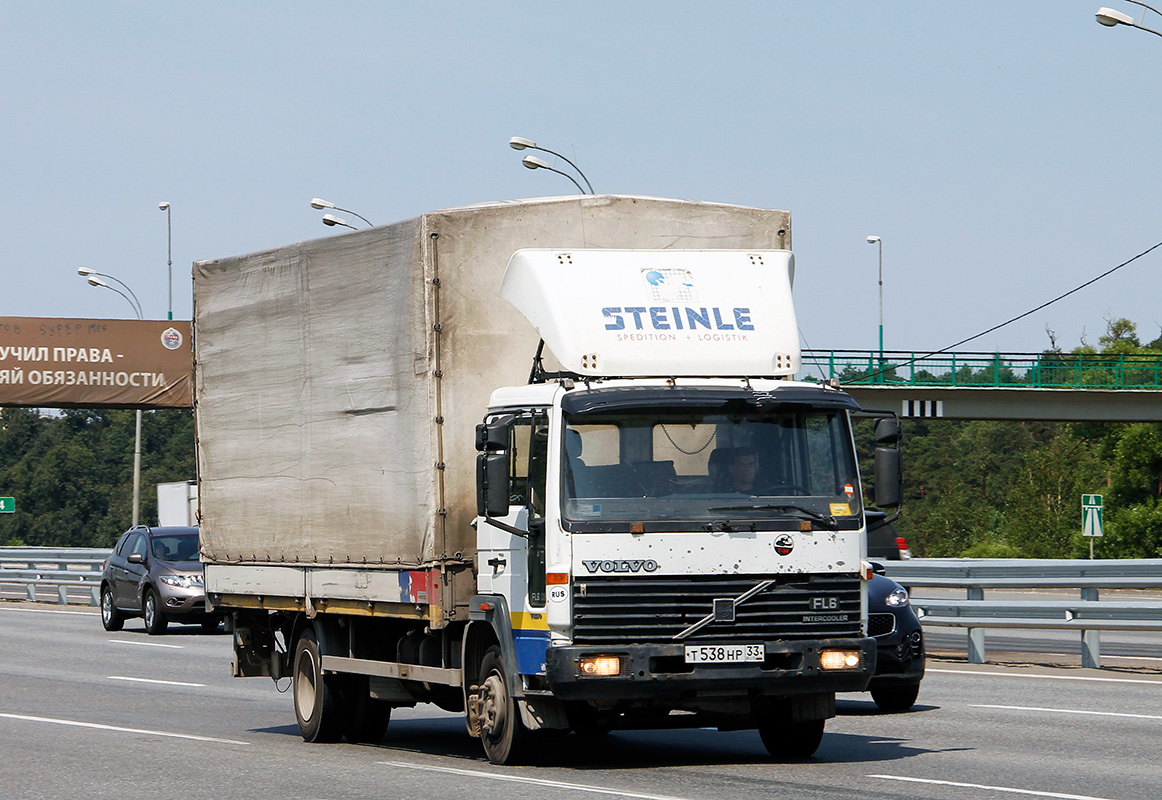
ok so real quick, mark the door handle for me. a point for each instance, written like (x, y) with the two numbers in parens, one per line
(497, 563)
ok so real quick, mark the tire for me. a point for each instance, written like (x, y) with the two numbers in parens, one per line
(155, 619)
(367, 718)
(502, 732)
(896, 698)
(792, 741)
(111, 618)
(318, 702)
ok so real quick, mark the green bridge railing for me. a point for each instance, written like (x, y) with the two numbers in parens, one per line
(1014, 370)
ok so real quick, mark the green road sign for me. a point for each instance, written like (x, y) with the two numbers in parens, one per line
(7, 505)
(1091, 515)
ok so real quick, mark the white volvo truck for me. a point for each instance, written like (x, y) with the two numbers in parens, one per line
(542, 462)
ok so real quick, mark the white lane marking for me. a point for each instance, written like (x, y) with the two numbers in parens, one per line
(1130, 658)
(146, 644)
(1043, 677)
(92, 613)
(76, 724)
(1006, 789)
(578, 787)
(1070, 711)
(151, 680)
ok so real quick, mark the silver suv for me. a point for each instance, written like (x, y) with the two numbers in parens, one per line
(154, 573)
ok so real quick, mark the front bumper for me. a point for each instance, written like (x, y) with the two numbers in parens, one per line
(177, 601)
(659, 672)
(899, 659)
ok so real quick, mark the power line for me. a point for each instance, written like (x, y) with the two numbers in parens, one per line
(1046, 304)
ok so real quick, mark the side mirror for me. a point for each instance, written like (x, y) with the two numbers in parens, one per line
(887, 431)
(493, 435)
(492, 484)
(889, 477)
(492, 466)
(136, 558)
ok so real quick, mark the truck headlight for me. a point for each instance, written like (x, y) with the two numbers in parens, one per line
(840, 659)
(599, 666)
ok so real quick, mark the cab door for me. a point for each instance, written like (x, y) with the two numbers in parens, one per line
(511, 549)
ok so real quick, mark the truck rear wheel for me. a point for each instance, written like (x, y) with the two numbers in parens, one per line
(367, 718)
(318, 702)
(791, 741)
(502, 732)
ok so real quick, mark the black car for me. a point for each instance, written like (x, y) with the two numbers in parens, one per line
(154, 573)
(883, 540)
(899, 644)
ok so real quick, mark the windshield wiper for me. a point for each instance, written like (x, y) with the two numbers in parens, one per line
(728, 526)
(825, 519)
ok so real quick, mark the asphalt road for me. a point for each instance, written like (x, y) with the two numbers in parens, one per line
(90, 714)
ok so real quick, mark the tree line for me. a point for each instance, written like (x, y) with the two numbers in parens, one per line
(71, 473)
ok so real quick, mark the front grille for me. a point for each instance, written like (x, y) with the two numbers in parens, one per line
(880, 624)
(652, 610)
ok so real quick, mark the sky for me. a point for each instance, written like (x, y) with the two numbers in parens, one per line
(1005, 153)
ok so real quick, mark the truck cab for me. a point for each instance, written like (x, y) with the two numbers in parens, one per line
(683, 551)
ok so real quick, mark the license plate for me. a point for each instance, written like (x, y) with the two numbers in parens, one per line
(724, 653)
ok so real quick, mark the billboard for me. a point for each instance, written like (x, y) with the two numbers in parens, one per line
(95, 363)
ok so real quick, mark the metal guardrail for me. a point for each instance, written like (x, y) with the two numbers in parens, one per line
(1088, 615)
(979, 370)
(60, 568)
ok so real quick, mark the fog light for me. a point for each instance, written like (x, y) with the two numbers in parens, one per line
(839, 659)
(599, 666)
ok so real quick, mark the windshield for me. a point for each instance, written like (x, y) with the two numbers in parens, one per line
(175, 546)
(737, 467)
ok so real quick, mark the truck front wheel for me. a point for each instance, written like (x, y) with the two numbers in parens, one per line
(501, 730)
(318, 702)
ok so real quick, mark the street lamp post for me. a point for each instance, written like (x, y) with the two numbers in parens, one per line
(135, 304)
(532, 162)
(331, 220)
(1112, 17)
(169, 251)
(878, 241)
